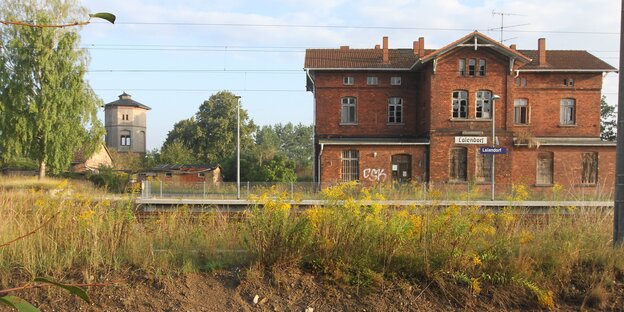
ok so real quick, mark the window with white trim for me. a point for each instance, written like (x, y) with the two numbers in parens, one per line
(484, 105)
(348, 113)
(462, 67)
(372, 80)
(395, 110)
(395, 81)
(348, 80)
(568, 112)
(124, 140)
(350, 165)
(481, 67)
(472, 67)
(521, 112)
(460, 104)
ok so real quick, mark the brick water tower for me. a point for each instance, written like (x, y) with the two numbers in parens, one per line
(125, 123)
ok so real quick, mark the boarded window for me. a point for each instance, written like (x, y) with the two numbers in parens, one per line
(460, 104)
(350, 165)
(457, 161)
(544, 168)
(348, 110)
(484, 167)
(521, 112)
(462, 67)
(590, 168)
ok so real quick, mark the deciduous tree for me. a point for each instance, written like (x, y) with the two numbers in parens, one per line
(47, 109)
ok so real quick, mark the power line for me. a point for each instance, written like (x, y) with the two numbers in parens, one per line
(358, 27)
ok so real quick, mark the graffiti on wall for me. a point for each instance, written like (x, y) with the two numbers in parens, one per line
(374, 174)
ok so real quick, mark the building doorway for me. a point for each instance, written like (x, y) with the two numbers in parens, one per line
(401, 168)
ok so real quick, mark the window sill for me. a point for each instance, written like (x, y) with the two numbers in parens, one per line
(543, 185)
(395, 124)
(567, 126)
(522, 125)
(348, 124)
(472, 119)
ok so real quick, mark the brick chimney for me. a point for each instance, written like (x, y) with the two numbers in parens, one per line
(513, 46)
(421, 47)
(377, 47)
(344, 48)
(541, 51)
(415, 47)
(386, 57)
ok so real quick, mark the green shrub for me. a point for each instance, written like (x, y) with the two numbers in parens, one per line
(113, 181)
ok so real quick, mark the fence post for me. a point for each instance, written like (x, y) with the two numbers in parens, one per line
(161, 189)
(204, 195)
(248, 190)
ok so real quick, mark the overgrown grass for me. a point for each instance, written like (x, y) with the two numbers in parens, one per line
(506, 256)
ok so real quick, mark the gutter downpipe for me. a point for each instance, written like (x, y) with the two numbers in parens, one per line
(314, 130)
(319, 165)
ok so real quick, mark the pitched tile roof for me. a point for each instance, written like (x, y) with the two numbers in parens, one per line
(359, 59)
(566, 60)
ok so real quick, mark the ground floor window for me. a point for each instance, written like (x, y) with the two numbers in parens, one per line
(590, 168)
(457, 160)
(401, 168)
(484, 167)
(350, 165)
(544, 168)
(125, 140)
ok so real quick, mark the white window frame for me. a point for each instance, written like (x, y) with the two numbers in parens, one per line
(483, 104)
(395, 81)
(462, 67)
(125, 140)
(519, 106)
(372, 80)
(457, 103)
(472, 67)
(567, 115)
(348, 80)
(481, 69)
(395, 110)
(348, 104)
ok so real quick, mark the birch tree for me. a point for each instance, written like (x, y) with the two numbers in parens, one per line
(47, 109)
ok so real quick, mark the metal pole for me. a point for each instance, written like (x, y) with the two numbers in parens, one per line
(238, 191)
(494, 98)
(618, 207)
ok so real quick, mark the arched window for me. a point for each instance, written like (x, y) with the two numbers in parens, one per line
(348, 112)
(124, 139)
(460, 104)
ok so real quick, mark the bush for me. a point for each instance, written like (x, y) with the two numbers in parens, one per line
(113, 181)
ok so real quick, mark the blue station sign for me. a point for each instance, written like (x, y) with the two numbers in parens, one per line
(493, 150)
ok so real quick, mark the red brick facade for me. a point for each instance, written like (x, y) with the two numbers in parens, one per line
(558, 113)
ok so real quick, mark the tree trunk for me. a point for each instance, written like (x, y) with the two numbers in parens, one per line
(42, 170)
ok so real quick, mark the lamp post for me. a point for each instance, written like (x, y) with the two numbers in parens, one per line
(238, 191)
(494, 98)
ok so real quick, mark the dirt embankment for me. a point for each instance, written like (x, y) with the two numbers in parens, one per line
(290, 291)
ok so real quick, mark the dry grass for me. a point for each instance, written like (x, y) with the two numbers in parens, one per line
(506, 255)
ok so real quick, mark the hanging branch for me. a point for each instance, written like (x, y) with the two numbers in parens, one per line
(103, 15)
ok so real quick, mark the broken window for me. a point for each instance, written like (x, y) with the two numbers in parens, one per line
(484, 104)
(521, 111)
(350, 165)
(457, 161)
(395, 81)
(372, 80)
(348, 80)
(481, 67)
(462, 67)
(460, 104)
(472, 67)
(544, 168)
(590, 168)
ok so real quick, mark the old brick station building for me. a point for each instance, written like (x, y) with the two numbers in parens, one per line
(385, 115)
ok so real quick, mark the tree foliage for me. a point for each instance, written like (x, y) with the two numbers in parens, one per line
(47, 109)
(211, 133)
(608, 121)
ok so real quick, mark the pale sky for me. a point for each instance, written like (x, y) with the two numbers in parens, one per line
(172, 55)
